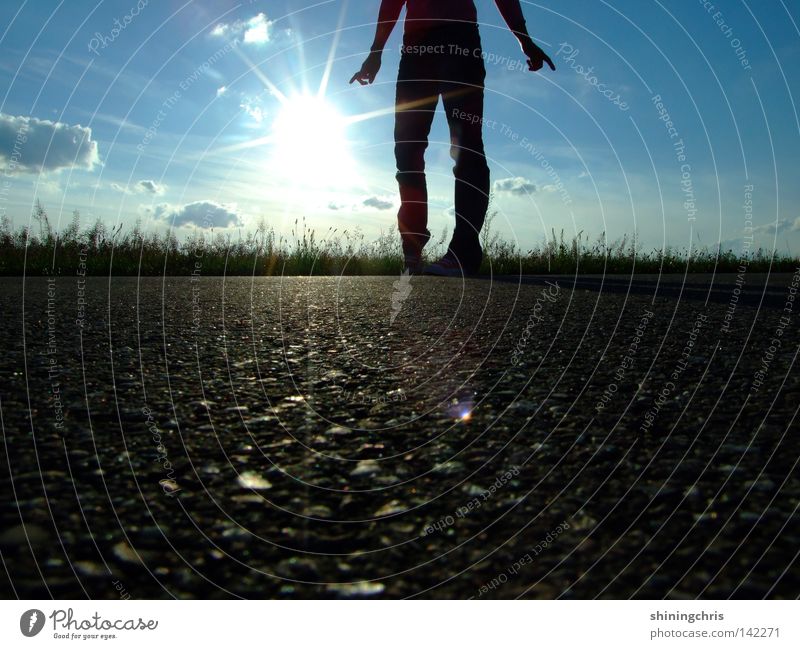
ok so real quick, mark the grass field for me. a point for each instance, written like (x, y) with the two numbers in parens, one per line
(97, 250)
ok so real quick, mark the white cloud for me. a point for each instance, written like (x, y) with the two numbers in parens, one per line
(516, 186)
(32, 145)
(336, 206)
(781, 226)
(203, 214)
(50, 186)
(142, 187)
(764, 234)
(255, 30)
(378, 203)
(252, 106)
(150, 186)
(120, 188)
(222, 90)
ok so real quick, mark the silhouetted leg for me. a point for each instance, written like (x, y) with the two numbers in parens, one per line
(462, 94)
(415, 105)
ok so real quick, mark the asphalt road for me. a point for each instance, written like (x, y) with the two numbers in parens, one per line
(431, 438)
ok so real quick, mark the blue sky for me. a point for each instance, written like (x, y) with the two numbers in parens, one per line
(191, 116)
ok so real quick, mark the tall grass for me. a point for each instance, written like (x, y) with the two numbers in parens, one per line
(96, 250)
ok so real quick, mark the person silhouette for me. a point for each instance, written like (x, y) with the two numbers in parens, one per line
(442, 55)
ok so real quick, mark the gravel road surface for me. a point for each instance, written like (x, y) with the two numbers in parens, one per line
(385, 437)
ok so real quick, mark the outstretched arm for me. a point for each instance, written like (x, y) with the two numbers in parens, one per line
(515, 19)
(387, 18)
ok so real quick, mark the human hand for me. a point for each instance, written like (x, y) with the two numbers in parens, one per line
(369, 69)
(536, 56)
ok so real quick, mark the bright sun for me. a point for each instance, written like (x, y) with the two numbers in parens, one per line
(310, 143)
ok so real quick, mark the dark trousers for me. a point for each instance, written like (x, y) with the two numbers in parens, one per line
(443, 61)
